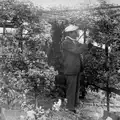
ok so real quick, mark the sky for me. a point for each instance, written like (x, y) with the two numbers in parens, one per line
(51, 3)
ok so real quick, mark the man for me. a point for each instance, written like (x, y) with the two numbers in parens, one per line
(72, 51)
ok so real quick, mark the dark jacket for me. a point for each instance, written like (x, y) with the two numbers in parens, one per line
(71, 51)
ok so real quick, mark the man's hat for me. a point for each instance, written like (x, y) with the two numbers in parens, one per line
(71, 28)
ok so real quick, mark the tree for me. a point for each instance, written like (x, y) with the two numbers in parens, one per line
(54, 55)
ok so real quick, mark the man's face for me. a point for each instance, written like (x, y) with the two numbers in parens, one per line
(74, 34)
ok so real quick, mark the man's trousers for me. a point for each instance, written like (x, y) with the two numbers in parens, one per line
(72, 92)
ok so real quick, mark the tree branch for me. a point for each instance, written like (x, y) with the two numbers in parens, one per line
(111, 89)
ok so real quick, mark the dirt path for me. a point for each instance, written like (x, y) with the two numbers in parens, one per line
(13, 114)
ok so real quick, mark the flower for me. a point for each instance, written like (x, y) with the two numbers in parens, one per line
(31, 114)
(56, 105)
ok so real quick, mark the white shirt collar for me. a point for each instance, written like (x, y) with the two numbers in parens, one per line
(70, 38)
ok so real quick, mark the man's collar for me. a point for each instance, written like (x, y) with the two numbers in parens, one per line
(70, 38)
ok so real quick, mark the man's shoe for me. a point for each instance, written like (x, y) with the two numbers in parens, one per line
(73, 111)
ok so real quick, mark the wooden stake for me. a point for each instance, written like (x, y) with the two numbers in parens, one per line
(108, 98)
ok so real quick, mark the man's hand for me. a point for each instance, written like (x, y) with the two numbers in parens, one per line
(90, 45)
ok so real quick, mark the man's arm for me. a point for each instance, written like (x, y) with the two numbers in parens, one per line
(71, 47)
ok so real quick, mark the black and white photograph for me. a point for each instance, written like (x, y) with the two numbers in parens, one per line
(59, 59)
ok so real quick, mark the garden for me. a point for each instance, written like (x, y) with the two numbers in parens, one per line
(30, 58)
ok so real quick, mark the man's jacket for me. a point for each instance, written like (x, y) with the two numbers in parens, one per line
(71, 51)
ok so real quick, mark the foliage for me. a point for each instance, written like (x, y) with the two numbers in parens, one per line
(57, 113)
(106, 31)
(24, 67)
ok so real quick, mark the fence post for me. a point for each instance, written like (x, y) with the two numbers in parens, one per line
(85, 35)
(107, 76)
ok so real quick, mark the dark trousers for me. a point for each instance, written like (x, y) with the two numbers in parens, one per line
(72, 92)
